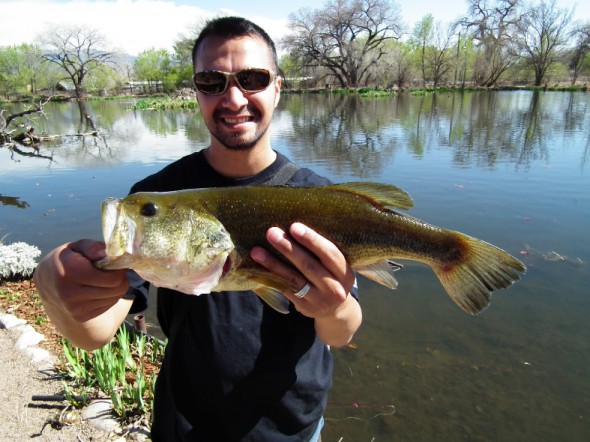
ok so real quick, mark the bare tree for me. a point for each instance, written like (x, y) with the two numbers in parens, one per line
(441, 54)
(183, 45)
(491, 24)
(541, 34)
(77, 51)
(346, 37)
(581, 36)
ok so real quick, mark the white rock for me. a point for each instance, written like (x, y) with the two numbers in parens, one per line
(99, 415)
(28, 338)
(139, 435)
(38, 355)
(24, 328)
(9, 321)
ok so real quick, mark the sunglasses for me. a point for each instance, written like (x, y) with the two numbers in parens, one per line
(249, 80)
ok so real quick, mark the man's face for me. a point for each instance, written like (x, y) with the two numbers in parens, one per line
(237, 120)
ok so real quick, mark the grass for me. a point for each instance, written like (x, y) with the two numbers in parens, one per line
(124, 370)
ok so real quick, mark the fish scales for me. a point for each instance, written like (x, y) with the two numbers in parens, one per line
(199, 241)
(369, 230)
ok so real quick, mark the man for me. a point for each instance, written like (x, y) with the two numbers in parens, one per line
(234, 368)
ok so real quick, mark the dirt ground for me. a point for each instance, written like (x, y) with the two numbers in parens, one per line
(24, 419)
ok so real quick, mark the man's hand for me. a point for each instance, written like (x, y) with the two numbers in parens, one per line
(319, 263)
(85, 303)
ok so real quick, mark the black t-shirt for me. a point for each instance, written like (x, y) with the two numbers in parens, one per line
(234, 369)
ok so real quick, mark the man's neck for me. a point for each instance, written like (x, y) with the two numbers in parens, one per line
(239, 163)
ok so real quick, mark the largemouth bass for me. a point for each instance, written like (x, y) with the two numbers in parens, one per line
(199, 241)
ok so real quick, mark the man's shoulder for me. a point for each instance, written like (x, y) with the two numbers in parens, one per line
(174, 176)
(298, 176)
(307, 177)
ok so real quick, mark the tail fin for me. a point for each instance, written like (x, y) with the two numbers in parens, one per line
(486, 268)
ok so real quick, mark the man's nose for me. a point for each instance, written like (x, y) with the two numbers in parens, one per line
(234, 97)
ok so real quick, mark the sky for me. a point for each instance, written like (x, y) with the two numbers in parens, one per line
(133, 26)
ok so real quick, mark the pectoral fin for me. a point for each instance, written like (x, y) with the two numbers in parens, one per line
(381, 272)
(271, 289)
(274, 299)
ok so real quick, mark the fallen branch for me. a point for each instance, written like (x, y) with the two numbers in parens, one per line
(37, 109)
(31, 138)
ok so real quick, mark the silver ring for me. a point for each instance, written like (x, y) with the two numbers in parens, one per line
(301, 293)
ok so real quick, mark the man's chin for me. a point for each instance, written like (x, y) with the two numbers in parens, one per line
(238, 142)
(239, 145)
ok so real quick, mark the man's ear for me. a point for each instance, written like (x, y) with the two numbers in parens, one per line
(278, 85)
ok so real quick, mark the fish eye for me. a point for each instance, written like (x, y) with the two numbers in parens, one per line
(149, 209)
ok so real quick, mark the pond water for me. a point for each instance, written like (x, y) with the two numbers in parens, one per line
(507, 167)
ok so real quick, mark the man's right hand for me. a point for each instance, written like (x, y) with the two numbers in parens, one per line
(84, 302)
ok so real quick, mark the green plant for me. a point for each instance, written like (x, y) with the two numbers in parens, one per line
(165, 103)
(9, 296)
(77, 366)
(118, 370)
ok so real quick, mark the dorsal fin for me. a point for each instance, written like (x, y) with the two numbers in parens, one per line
(384, 195)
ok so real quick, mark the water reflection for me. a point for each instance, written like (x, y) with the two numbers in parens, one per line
(18, 151)
(13, 201)
(508, 167)
(358, 136)
(347, 133)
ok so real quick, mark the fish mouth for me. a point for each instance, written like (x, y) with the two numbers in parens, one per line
(226, 266)
(119, 231)
(110, 214)
(231, 261)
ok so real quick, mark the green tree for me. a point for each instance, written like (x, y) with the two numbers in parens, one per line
(152, 65)
(421, 39)
(104, 78)
(398, 63)
(11, 79)
(32, 65)
(432, 42)
(183, 49)
(290, 69)
(464, 59)
(183, 63)
(21, 67)
(157, 65)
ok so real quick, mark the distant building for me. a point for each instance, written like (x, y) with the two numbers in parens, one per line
(143, 87)
(298, 82)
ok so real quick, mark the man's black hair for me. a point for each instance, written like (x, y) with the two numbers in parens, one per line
(232, 27)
